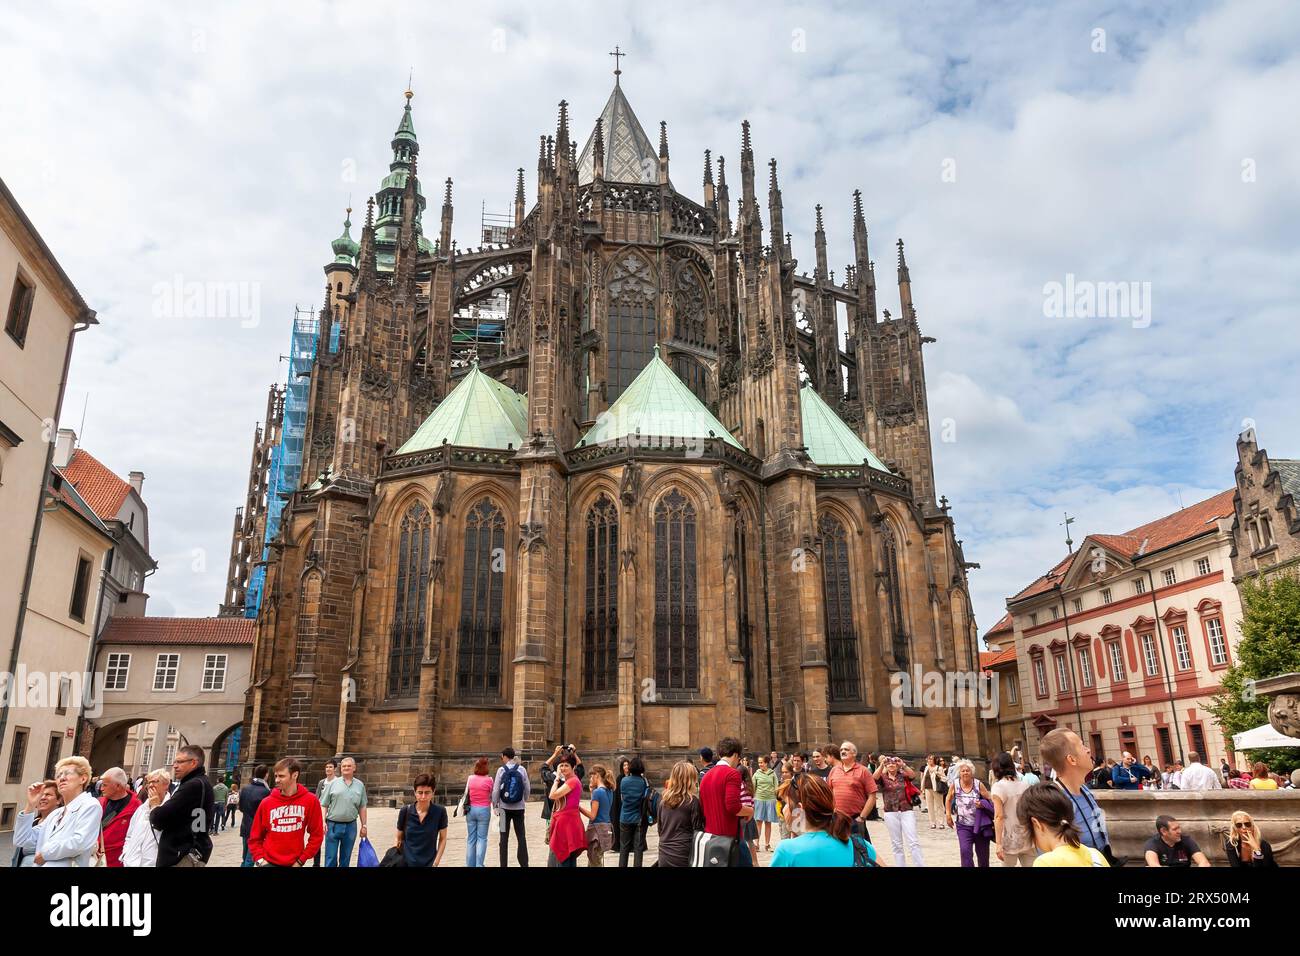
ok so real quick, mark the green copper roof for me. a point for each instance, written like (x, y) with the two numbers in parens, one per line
(657, 405)
(345, 247)
(828, 439)
(480, 412)
(406, 129)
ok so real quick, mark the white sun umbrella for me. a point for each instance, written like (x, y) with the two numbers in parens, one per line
(1261, 737)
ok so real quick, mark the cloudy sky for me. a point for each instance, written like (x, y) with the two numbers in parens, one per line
(1011, 149)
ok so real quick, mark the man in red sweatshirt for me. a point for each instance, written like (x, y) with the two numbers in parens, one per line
(720, 797)
(289, 827)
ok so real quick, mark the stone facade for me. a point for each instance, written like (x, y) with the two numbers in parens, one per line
(1266, 525)
(592, 276)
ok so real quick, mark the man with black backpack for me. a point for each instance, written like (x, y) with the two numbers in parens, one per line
(509, 796)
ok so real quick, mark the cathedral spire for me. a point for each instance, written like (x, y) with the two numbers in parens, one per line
(520, 199)
(864, 268)
(724, 200)
(709, 194)
(345, 248)
(779, 247)
(819, 237)
(444, 237)
(598, 150)
(904, 285)
(663, 151)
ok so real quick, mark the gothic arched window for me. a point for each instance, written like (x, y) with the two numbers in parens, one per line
(478, 665)
(600, 619)
(632, 329)
(693, 375)
(677, 634)
(406, 641)
(841, 635)
(744, 625)
(690, 318)
(893, 593)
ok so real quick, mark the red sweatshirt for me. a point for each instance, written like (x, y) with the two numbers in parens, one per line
(720, 800)
(282, 823)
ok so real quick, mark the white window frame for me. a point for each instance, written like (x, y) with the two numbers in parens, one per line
(1013, 689)
(1182, 648)
(1149, 656)
(1218, 643)
(1040, 677)
(1062, 674)
(1105, 596)
(163, 670)
(1203, 566)
(1078, 605)
(117, 671)
(1085, 666)
(146, 755)
(1117, 671)
(1139, 586)
(1056, 612)
(214, 672)
(1170, 577)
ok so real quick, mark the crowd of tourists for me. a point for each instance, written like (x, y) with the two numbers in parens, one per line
(719, 810)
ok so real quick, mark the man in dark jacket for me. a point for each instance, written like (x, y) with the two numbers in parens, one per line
(249, 797)
(183, 820)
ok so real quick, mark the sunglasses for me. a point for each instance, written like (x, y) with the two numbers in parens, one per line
(1244, 825)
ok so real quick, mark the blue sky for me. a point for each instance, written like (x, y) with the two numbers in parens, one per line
(151, 143)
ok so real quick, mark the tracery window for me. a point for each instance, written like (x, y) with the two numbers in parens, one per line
(893, 593)
(676, 608)
(693, 375)
(406, 641)
(690, 318)
(837, 592)
(600, 620)
(632, 329)
(478, 669)
(744, 625)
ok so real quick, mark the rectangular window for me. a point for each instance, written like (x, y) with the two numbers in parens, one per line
(1128, 740)
(80, 589)
(7, 816)
(1062, 673)
(146, 754)
(1040, 677)
(1202, 565)
(1149, 658)
(1166, 748)
(164, 672)
(115, 674)
(1105, 595)
(214, 672)
(1013, 688)
(1085, 667)
(1055, 612)
(1097, 749)
(1197, 736)
(1218, 647)
(1139, 586)
(65, 695)
(17, 755)
(1117, 672)
(1170, 577)
(52, 755)
(171, 754)
(1078, 605)
(1182, 649)
(20, 309)
(1033, 619)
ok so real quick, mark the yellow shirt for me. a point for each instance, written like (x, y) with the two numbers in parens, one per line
(1260, 783)
(1066, 855)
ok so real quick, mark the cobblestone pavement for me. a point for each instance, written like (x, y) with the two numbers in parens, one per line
(939, 847)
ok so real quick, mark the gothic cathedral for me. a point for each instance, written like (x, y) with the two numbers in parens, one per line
(612, 478)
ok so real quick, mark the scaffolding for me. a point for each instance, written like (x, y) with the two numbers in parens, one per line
(286, 459)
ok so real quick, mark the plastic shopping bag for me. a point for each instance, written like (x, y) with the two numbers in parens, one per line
(366, 855)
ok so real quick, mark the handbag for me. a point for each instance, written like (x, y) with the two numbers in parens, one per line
(393, 857)
(366, 855)
(984, 814)
(912, 793)
(711, 851)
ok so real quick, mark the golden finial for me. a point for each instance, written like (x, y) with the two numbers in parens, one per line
(409, 93)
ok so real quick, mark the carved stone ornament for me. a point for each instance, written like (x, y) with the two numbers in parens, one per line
(375, 381)
(726, 487)
(1284, 714)
(629, 488)
(541, 324)
(322, 439)
(442, 495)
(761, 360)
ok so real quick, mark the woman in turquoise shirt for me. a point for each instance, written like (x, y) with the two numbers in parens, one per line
(827, 840)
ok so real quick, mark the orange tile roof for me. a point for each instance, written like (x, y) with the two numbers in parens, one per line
(180, 630)
(101, 489)
(65, 492)
(998, 657)
(1155, 535)
(1001, 627)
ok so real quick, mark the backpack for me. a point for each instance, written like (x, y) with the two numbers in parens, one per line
(512, 786)
(861, 855)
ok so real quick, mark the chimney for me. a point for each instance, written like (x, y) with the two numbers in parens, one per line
(136, 480)
(64, 445)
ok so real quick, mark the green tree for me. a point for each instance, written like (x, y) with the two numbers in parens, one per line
(1270, 645)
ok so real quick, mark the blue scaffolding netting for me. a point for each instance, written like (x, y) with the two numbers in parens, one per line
(286, 458)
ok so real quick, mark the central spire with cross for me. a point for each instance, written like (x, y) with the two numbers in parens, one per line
(616, 55)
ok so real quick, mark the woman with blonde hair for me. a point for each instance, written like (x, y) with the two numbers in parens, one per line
(600, 832)
(1244, 846)
(141, 845)
(70, 836)
(680, 815)
(1261, 778)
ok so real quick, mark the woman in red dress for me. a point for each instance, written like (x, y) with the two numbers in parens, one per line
(568, 838)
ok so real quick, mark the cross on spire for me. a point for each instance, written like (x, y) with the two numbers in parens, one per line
(616, 55)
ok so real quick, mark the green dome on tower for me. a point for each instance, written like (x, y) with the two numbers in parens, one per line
(345, 247)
